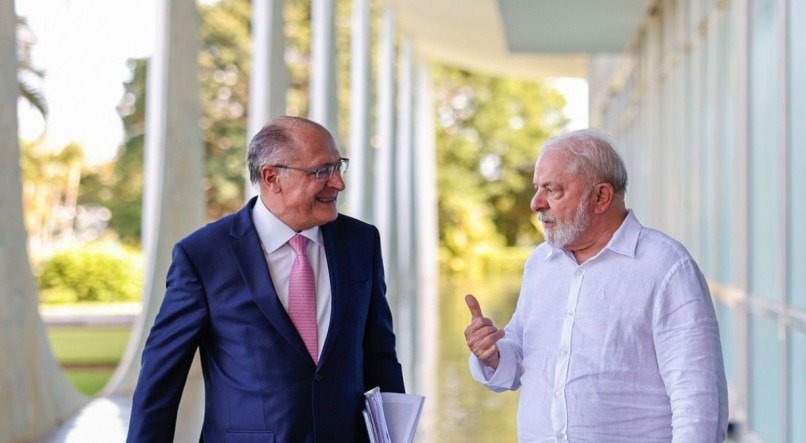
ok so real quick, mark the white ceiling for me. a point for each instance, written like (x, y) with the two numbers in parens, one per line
(520, 38)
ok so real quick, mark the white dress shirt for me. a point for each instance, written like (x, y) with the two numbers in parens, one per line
(274, 236)
(622, 348)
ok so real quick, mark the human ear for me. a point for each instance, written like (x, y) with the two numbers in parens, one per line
(604, 197)
(269, 178)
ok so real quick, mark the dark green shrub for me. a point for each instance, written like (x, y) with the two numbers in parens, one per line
(102, 272)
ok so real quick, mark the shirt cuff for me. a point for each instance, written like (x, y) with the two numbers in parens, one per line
(496, 379)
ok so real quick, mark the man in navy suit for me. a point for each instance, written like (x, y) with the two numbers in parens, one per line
(229, 294)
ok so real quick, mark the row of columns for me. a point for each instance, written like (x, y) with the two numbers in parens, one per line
(392, 185)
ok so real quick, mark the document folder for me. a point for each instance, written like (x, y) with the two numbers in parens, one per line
(391, 417)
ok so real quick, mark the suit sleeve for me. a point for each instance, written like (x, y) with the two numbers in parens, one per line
(168, 353)
(381, 367)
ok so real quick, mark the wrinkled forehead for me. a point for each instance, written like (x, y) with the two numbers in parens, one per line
(553, 164)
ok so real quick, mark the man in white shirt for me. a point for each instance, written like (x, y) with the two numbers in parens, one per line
(614, 336)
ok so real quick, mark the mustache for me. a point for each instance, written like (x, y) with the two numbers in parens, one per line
(543, 217)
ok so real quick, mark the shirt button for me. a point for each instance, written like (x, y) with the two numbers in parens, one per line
(559, 393)
(319, 377)
(561, 435)
(563, 352)
(570, 313)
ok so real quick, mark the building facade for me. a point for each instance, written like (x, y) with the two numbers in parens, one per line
(708, 104)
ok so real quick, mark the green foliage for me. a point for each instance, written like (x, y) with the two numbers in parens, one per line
(95, 273)
(119, 186)
(467, 411)
(484, 261)
(224, 65)
(50, 191)
(489, 131)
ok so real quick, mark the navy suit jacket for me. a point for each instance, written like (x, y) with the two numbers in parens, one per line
(260, 382)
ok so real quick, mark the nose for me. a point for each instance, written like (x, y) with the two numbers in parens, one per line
(336, 181)
(539, 202)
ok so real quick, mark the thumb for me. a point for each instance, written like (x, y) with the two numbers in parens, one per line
(473, 305)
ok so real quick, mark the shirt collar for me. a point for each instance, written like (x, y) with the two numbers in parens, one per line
(552, 251)
(624, 240)
(273, 233)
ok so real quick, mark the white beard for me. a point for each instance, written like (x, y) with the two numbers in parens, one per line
(566, 232)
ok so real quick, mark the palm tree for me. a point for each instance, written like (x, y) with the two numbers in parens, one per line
(25, 69)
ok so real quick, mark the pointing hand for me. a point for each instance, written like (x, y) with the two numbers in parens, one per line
(482, 335)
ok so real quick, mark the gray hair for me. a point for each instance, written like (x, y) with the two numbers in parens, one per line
(274, 143)
(593, 156)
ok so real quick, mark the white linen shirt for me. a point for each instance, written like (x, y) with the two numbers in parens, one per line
(622, 348)
(274, 236)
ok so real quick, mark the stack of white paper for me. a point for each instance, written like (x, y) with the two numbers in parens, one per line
(391, 417)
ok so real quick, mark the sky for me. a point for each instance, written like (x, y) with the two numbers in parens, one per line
(575, 91)
(83, 46)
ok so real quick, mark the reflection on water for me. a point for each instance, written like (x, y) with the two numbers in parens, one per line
(467, 411)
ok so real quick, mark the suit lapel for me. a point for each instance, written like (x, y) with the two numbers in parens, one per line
(252, 265)
(336, 260)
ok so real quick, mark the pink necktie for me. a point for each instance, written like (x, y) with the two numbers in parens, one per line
(302, 296)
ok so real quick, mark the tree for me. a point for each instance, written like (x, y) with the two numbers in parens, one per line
(50, 194)
(26, 70)
(489, 130)
(224, 64)
(119, 186)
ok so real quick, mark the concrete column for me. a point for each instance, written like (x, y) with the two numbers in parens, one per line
(269, 78)
(35, 394)
(173, 197)
(359, 193)
(383, 210)
(426, 248)
(324, 102)
(404, 197)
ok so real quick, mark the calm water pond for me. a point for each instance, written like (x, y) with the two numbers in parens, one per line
(467, 411)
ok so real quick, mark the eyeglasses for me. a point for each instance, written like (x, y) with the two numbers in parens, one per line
(323, 174)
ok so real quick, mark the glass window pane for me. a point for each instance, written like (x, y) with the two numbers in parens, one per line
(728, 140)
(765, 389)
(691, 152)
(764, 151)
(709, 168)
(797, 163)
(797, 393)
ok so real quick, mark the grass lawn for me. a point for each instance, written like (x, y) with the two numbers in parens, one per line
(88, 355)
(89, 381)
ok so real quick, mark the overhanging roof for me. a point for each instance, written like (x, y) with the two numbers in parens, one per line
(520, 38)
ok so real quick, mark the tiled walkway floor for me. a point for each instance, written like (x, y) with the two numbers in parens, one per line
(104, 419)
